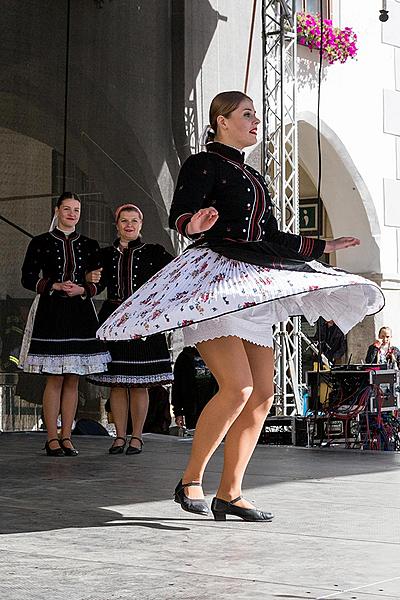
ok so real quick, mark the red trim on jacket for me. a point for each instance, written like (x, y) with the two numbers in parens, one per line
(182, 222)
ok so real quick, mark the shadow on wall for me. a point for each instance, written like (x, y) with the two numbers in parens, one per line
(308, 68)
(190, 41)
(128, 82)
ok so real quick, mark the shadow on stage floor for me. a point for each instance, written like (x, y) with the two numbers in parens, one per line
(40, 493)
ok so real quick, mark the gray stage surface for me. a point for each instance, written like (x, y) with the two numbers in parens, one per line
(101, 527)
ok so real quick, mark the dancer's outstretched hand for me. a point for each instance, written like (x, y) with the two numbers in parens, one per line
(202, 220)
(340, 243)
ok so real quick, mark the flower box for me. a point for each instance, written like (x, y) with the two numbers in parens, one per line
(337, 44)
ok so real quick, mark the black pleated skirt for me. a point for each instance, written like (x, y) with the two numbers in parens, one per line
(135, 363)
(64, 338)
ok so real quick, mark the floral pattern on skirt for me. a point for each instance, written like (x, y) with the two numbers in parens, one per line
(201, 284)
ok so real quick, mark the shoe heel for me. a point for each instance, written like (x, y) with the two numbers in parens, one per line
(53, 451)
(219, 516)
(196, 506)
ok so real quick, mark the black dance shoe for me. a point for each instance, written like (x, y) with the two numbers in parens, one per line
(131, 449)
(67, 450)
(53, 451)
(117, 449)
(198, 507)
(221, 508)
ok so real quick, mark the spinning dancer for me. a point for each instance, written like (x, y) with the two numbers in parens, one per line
(227, 290)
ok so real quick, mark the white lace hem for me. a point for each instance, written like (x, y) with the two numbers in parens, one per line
(67, 364)
(130, 379)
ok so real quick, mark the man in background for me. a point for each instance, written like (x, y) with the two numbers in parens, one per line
(331, 339)
(193, 386)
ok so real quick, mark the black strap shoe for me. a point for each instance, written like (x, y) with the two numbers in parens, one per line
(196, 506)
(67, 450)
(53, 451)
(117, 449)
(221, 508)
(132, 449)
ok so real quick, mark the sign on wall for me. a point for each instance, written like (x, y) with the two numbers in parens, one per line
(309, 216)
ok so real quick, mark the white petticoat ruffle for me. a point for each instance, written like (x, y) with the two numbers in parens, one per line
(67, 364)
(247, 324)
(201, 285)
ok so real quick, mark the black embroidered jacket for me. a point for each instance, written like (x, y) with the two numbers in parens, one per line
(124, 271)
(54, 257)
(220, 178)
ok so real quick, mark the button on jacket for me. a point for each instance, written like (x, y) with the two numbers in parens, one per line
(124, 271)
(59, 258)
(220, 178)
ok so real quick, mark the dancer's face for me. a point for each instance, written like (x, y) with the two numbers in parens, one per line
(240, 128)
(68, 213)
(129, 225)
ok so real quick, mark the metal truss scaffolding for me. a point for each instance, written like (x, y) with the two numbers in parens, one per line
(280, 162)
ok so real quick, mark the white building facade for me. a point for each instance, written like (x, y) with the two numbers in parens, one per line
(360, 134)
(360, 129)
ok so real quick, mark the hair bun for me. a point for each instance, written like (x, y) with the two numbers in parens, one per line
(207, 135)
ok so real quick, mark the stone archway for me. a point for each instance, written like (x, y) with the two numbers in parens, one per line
(345, 196)
(351, 211)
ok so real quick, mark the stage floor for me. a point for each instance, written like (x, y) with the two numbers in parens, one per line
(101, 527)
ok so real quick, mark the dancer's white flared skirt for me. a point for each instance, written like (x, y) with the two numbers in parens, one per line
(201, 285)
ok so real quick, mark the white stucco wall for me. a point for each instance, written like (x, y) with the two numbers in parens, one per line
(360, 126)
(361, 106)
(360, 116)
(224, 65)
(348, 203)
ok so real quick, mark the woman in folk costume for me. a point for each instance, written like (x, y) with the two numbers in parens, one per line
(63, 344)
(227, 290)
(140, 364)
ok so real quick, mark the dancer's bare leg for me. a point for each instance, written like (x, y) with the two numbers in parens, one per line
(69, 403)
(227, 360)
(51, 406)
(243, 434)
(139, 403)
(119, 410)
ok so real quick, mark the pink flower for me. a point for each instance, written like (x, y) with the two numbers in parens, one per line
(337, 44)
